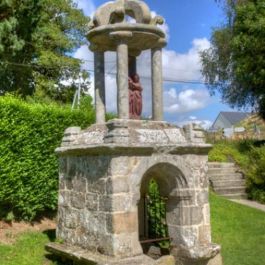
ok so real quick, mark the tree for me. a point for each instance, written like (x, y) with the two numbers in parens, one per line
(234, 65)
(37, 38)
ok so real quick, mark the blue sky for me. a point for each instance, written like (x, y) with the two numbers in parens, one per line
(189, 24)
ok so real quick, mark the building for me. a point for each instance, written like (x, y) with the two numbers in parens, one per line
(227, 120)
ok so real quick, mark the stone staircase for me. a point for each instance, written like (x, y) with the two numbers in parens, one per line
(226, 180)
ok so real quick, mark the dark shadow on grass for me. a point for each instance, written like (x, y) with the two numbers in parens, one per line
(57, 260)
(51, 234)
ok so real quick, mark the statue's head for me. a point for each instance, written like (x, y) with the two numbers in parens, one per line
(135, 78)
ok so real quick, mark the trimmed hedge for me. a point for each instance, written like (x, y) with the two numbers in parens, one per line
(29, 134)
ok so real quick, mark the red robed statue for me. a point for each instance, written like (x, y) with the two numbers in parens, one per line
(135, 97)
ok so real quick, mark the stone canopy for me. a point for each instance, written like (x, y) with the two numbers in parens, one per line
(113, 21)
(128, 28)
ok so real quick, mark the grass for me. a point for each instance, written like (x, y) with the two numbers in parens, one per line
(28, 250)
(239, 229)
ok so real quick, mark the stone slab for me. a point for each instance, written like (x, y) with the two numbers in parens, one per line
(84, 257)
(129, 132)
(127, 149)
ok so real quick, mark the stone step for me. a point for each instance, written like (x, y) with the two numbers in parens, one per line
(223, 177)
(235, 196)
(230, 190)
(220, 165)
(222, 170)
(228, 183)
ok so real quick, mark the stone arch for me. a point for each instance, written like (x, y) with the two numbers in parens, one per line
(173, 176)
(177, 165)
(168, 177)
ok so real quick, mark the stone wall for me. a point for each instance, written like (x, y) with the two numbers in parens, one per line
(104, 174)
(99, 195)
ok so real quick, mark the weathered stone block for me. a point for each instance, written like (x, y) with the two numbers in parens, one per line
(206, 214)
(202, 197)
(117, 185)
(79, 184)
(118, 223)
(119, 166)
(92, 201)
(95, 222)
(185, 215)
(62, 164)
(61, 182)
(184, 235)
(166, 260)
(70, 172)
(205, 234)
(70, 218)
(68, 184)
(217, 260)
(78, 200)
(116, 203)
(97, 186)
(126, 245)
(64, 199)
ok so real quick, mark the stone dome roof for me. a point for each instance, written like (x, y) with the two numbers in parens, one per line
(111, 19)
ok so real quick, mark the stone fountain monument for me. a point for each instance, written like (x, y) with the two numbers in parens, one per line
(105, 169)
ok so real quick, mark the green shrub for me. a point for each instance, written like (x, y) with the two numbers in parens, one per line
(229, 152)
(256, 174)
(29, 134)
(156, 208)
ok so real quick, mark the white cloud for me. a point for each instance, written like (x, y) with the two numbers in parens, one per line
(184, 66)
(205, 124)
(88, 6)
(186, 100)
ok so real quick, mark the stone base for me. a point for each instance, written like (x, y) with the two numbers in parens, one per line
(84, 257)
(200, 255)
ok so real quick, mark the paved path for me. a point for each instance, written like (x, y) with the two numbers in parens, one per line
(252, 204)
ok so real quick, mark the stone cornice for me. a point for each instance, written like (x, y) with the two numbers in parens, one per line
(125, 149)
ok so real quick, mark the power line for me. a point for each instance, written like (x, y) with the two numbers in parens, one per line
(169, 80)
(166, 79)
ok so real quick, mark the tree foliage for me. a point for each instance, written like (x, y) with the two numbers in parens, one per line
(235, 63)
(36, 40)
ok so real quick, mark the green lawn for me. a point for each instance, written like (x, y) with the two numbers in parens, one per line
(28, 250)
(239, 229)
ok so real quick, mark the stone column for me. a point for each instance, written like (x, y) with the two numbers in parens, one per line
(100, 87)
(121, 39)
(122, 80)
(157, 84)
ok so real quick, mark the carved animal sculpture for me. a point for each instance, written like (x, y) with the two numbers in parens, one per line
(115, 12)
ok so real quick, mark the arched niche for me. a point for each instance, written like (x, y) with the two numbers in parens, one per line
(174, 187)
